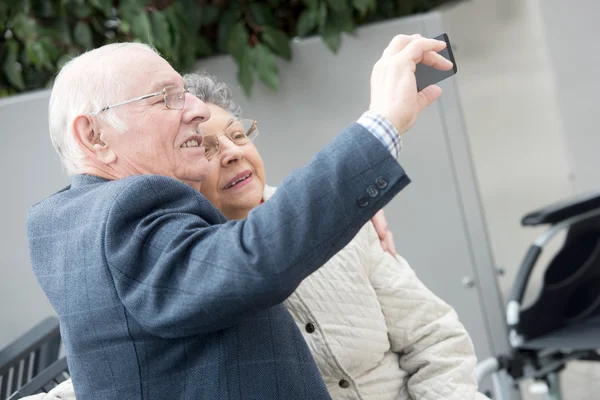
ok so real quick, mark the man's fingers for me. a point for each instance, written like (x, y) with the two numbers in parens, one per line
(428, 95)
(398, 44)
(436, 61)
(390, 246)
(385, 235)
(380, 224)
(418, 47)
(384, 244)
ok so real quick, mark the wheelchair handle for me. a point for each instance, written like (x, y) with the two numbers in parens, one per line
(518, 290)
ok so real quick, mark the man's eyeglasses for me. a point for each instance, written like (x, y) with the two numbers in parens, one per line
(240, 133)
(173, 96)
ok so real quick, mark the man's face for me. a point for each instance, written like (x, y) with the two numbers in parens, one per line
(158, 140)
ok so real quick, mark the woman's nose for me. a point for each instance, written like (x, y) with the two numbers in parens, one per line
(230, 152)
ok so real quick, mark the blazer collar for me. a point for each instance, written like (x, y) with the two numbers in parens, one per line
(83, 180)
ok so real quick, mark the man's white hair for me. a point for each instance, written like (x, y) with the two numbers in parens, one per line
(85, 85)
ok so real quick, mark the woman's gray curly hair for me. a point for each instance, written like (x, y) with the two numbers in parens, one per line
(211, 90)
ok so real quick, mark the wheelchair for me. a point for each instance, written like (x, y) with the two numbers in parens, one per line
(563, 323)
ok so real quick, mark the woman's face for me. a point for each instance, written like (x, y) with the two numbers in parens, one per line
(236, 179)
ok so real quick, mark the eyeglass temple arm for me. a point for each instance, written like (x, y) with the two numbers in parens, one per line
(146, 96)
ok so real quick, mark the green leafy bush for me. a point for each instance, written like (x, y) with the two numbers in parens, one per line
(38, 36)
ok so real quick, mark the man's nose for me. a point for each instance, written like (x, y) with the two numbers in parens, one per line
(195, 111)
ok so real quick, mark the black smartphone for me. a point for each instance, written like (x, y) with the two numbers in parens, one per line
(426, 75)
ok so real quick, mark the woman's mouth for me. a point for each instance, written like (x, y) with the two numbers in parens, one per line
(239, 180)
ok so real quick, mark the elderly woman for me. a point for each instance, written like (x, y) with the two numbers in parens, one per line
(375, 331)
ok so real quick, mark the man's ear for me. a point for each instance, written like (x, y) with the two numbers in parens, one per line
(90, 142)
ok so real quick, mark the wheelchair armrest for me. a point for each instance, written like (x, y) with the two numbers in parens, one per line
(562, 210)
(44, 333)
(45, 380)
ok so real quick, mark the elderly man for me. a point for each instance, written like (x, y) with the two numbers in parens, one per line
(158, 295)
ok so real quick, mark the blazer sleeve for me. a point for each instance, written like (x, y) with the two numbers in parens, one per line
(435, 349)
(180, 270)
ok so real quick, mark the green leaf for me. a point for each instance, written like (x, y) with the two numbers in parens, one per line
(187, 53)
(160, 28)
(343, 21)
(322, 16)
(245, 71)
(141, 28)
(83, 35)
(125, 27)
(277, 41)
(188, 59)
(63, 31)
(34, 77)
(37, 55)
(338, 5)
(44, 9)
(362, 5)
(262, 14)
(50, 50)
(175, 34)
(43, 56)
(189, 12)
(203, 47)
(12, 69)
(311, 4)
(12, 46)
(267, 67)
(225, 24)
(306, 23)
(6, 92)
(332, 37)
(403, 8)
(237, 40)
(209, 13)
(82, 11)
(105, 6)
(24, 28)
(3, 19)
(97, 24)
(31, 56)
(130, 10)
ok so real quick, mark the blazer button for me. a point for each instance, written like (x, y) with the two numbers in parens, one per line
(381, 183)
(363, 201)
(310, 327)
(344, 384)
(372, 191)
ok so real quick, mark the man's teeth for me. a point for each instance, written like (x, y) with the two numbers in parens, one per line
(191, 143)
(243, 178)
